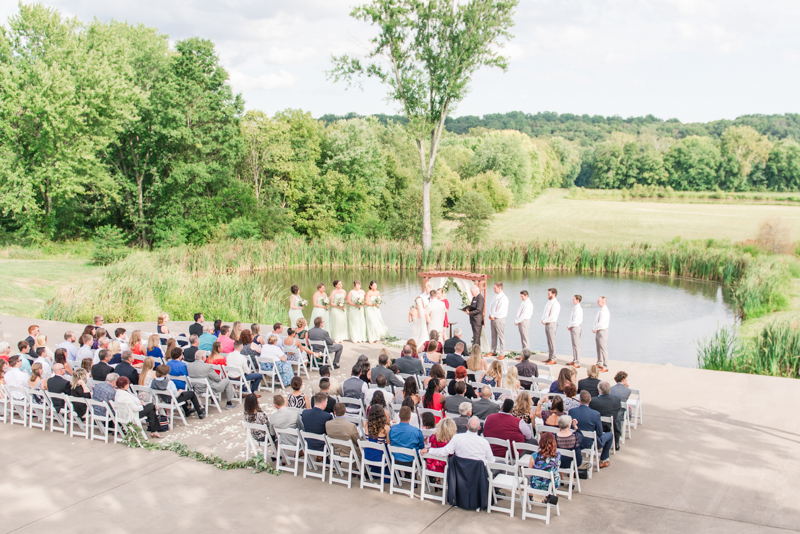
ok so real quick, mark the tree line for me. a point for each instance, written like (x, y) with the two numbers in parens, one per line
(106, 130)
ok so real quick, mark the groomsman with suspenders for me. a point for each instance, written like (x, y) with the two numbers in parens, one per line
(550, 322)
(600, 329)
(497, 317)
(574, 328)
(523, 320)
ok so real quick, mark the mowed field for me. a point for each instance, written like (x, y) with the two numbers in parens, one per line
(552, 216)
(25, 285)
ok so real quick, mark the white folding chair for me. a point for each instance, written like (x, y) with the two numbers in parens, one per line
(99, 417)
(541, 384)
(142, 391)
(322, 348)
(533, 497)
(240, 384)
(352, 404)
(266, 447)
(592, 453)
(571, 472)
(434, 483)
(498, 392)
(289, 447)
(202, 388)
(523, 452)
(382, 464)
(122, 415)
(341, 464)
(166, 402)
(58, 417)
(545, 428)
(502, 443)
(297, 360)
(19, 405)
(268, 368)
(312, 457)
(38, 408)
(610, 420)
(626, 421)
(636, 404)
(5, 404)
(502, 477)
(76, 421)
(436, 413)
(398, 470)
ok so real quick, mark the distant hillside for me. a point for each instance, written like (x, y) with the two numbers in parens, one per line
(587, 129)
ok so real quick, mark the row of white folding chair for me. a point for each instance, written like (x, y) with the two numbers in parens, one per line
(272, 373)
(297, 359)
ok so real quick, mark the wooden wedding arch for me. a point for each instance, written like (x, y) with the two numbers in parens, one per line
(478, 278)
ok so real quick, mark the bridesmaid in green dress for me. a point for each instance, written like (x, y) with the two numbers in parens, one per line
(356, 324)
(376, 328)
(338, 324)
(295, 309)
(319, 308)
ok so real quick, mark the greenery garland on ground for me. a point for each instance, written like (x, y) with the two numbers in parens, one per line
(134, 438)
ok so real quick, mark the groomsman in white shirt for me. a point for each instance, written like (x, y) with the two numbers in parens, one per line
(600, 329)
(497, 317)
(523, 320)
(550, 322)
(575, 322)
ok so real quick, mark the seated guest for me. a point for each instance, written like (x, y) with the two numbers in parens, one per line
(405, 435)
(25, 357)
(216, 357)
(464, 413)
(608, 406)
(378, 402)
(314, 419)
(136, 346)
(58, 384)
(622, 392)
(33, 331)
(253, 414)
(408, 364)
(126, 369)
(382, 387)
(196, 328)
(527, 368)
(255, 331)
(298, 399)
(190, 351)
(60, 356)
(121, 336)
(377, 431)
(433, 344)
(216, 328)
(335, 387)
(548, 459)
(283, 367)
(433, 398)
(5, 350)
(450, 344)
(428, 420)
(550, 409)
(238, 361)
(523, 407)
(162, 383)
(324, 387)
(105, 391)
(410, 390)
(568, 438)
(494, 375)
(445, 431)
(476, 364)
(354, 387)
(206, 339)
(460, 375)
(591, 382)
(35, 381)
(277, 331)
(452, 402)
(363, 361)
(103, 343)
(318, 333)
(114, 348)
(342, 429)
(571, 392)
(284, 418)
(382, 369)
(221, 386)
(413, 344)
(469, 445)
(138, 408)
(564, 378)
(485, 406)
(85, 350)
(455, 359)
(78, 388)
(69, 345)
(225, 340)
(154, 347)
(589, 420)
(503, 425)
(100, 370)
(177, 367)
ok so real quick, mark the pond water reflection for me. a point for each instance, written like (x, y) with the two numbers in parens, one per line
(654, 319)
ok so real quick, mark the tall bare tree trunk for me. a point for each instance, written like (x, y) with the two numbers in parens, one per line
(427, 230)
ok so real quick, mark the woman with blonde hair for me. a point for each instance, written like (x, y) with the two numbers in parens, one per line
(41, 341)
(445, 430)
(115, 350)
(591, 382)
(148, 373)
(523, 407)
(476, 363)
(494, 375)
(216, 357)
(80, 389)
(171, 344)
(135, 344)
(511, 381)
(161, 323)
(236, 331)
(35, 381)
(154, 347)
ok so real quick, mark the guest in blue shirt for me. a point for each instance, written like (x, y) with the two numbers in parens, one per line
(406, 436)
(589, 420)
(314, 419)
(207, 340)
(177, 367)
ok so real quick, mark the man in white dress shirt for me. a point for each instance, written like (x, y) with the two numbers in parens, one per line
(575, 322)
(468, 445)
(600, 329)
(550, 322)
(497, 318)
(523, 320)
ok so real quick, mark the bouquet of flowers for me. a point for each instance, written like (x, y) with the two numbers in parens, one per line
(377, 301)
(358, 301)
(338, 300)
(325, 301)
(301, 302)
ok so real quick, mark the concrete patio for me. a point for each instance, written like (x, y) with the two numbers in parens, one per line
(717, 453)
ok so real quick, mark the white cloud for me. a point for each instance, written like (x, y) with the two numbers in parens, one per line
(263, 82)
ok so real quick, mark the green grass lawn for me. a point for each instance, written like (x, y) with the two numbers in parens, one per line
(26, 284)
(552, 216)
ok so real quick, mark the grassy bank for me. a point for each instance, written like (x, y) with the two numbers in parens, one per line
(667, 194)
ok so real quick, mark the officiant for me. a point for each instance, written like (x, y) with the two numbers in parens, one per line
(475, 311)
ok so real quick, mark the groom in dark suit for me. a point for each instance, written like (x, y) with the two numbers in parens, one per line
(476, 315)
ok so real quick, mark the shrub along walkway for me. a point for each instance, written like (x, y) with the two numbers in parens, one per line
(716, 453)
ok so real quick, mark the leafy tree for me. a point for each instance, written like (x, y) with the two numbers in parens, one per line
(783, 167)
(493, 188)
(506, 154)
(109, 245)
(433, 48)
(693, 164)
(476, 214)
(741, 147)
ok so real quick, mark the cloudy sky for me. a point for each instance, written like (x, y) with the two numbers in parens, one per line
(696, 60)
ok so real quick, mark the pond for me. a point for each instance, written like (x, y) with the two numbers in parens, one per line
(654, 319)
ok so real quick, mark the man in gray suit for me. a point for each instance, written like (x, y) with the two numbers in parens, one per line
(381, 369)
(318, 334)
(200, 369)
(284, 418)
(622, 392)
(484, 407)
(452, 403)
(408, 364)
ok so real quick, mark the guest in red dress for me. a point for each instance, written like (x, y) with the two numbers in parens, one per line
(445, 430)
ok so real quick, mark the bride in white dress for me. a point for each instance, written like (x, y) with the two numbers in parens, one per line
(436, 312)
(416, 316)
